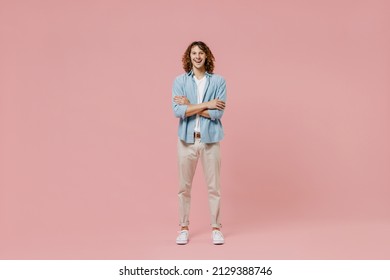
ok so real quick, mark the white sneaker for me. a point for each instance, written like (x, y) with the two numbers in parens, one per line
(183, 237)
(217, 237)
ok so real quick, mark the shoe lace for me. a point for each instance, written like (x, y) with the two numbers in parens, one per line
(217, 234)
(182, 234)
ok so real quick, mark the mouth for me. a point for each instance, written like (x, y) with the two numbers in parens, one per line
(197, 61)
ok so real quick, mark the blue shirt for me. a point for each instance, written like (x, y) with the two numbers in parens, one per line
(211, 130)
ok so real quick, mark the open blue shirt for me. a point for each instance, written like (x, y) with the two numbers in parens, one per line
(211, 130)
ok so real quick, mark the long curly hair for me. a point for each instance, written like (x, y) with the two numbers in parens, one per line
(209, 63)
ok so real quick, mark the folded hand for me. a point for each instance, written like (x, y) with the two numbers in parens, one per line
(181, 100)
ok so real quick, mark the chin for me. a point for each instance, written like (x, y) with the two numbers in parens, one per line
(198, 66)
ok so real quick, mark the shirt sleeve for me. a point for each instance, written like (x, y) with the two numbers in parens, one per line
(178, 110)
(216, 114)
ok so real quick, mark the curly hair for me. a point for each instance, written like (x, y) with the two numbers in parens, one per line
(209, 63)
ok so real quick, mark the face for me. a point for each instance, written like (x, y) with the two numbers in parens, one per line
(198, 57)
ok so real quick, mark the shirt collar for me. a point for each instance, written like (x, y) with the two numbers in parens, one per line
(191, 73)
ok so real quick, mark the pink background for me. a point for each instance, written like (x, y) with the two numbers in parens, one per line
(88, 138)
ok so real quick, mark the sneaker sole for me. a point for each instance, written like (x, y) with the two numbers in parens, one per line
(181, 242)
(218, 242)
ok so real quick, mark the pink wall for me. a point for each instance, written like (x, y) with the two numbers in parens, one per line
(88, 139)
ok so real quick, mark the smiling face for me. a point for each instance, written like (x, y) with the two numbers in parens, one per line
(198, 58)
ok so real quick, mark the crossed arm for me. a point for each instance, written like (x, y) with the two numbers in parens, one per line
(201, 109)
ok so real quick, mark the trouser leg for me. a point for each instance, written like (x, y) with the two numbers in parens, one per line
(187, 161)
(211, 163)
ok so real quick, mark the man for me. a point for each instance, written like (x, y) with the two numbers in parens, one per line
(198, 99)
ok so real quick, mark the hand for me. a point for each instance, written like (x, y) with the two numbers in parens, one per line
(181, 100)
(216, 104)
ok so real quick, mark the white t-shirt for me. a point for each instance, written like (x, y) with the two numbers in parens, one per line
(200, 85)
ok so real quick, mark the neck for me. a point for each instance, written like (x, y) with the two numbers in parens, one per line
(199, 73)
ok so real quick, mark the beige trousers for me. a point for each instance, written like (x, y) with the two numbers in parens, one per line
(188, 155)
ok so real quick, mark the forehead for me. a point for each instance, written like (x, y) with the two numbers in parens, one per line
(196, 49)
